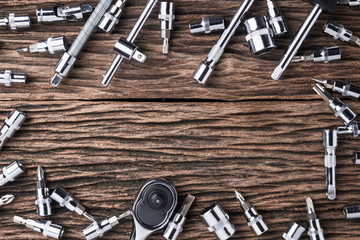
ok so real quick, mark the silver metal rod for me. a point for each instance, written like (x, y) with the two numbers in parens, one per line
(131, 38)
(297, 42)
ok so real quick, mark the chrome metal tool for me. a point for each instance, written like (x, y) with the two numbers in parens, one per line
(345, 88)
(62, 12)
(15, 22)
(98, 229)
(67, 61)
(315, 231)
(11, 172)
(325, 55)
(43, 200)
(166, 17)
(255, 220)
(12, 123)
(276, 20)
(125, 48)
(352, 128)
(47, 228)
(6, 199)
(65, 199)
(338, 31)
(330, 138)
(51, 45)
(7, 77)
(356, 157)
(320, 6)
(351, 3)
(207, 25)
(205, 69)
(352, 212)
(340, 108)
(175, 226)
(294, 232)
(112, 16)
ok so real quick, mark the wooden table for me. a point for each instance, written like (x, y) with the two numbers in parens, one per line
(242, 131)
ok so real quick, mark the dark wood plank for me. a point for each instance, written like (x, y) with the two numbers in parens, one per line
(104, 151)
(239, 75)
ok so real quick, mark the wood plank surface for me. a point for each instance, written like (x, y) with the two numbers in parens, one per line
(104, 151)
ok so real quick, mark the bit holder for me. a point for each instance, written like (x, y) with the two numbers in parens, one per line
(315, 231)
(43, 200)
(338, 31)
(51, 45)
(352, 212)
(207, 25)
(294, 232)
(11, 172)
(112, 16)
(62, 12)
(325, 55)
(12, 123)
(15, 22)
(7, 77)
(344, 88)
(47, 228)
(166, 17)
(330, 138)
(218, 222)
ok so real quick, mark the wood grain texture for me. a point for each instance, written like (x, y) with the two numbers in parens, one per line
(104, 151)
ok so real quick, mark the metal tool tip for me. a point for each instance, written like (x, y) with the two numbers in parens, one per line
(166, 46)
(22, 50)
(277, 73)
(88, 216)
(310, 205)
(7, 199)
(125, 214)
(56, 79)
(19, 220)
(40, 173)
(331, 193)
(189, 199)
(239, 197)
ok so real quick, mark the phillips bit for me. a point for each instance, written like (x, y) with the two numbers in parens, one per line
(15, 22)
(47, 228)
(112, 16)
(351, 3)
(352, 128)
(277, 21)
(4, 200)
(126, 48)
(207, 25)
(12, 123)
(205, 69)
(52, 45)
(175, 226)
(255, 220)
(330, 144)
(65, 199)
(62, 12)
(11, 172)
(43, 200)
(98, 229)
(68, 60)
(340, 108)
(315, 231)
(325, 55)
(345, 88)
(338, 31)
(7, 78)
(320, 5)
(166, 17)
(294, 233)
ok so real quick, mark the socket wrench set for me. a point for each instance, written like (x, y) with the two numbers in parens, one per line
(157, 205)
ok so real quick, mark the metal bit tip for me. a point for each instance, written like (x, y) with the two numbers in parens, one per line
(310, 206)
(319, 80)
(240, 197)
(22, 50)
(88, 216)
(6, 199)
(40, 173)
(166, 46)
(187, 204)
(323, 93)
(124, 215)
(19, 220)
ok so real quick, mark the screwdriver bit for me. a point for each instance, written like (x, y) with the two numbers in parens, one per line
(175, 226)
(166, 17)
(330, 143)
(12, 123)
(62, 12)
(65, 199)
(315, 231)
(345, 88)
(43, 200)
(340, 108)
(11, 172)
(52, 45)
(47, 228)
(320, 6)
(97, 230)
(7, 78)
(6, 199)
(255, 220)
(338, 31)
(325, 55)
(294, 233)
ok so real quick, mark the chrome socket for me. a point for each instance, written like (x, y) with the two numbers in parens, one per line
(207, 25)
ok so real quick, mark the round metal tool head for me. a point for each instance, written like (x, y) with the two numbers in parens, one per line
(327, 5)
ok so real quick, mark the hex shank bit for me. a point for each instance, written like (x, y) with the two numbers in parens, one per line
(130, 39)
(67, 61)
(203, 72)
(320, 5)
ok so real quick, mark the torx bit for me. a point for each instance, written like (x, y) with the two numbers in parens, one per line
(43, 200)
(62, 12)
(352, 128)
(330, 143)
(325, 55)
(12, 123)
(294, 232)
(11, 172)
(276, 20)
(65, 199)
(320, 5)
(207, 25)
(340, 108)
(47, 228)
(126, 48)
(67, 61)
(315, 231)
(52, 45)
(175, 226)
(345, 88)
(7, 77)
(98, 229)
(351, 3)
(166, 17)
(112, 16)
(205, 69)
(6, 199)
(255, 220)
(338, 31)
